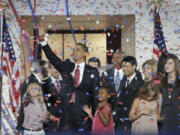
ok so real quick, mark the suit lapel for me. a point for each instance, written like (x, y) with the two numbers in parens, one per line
(123, 82)
(131, 84)
(33, 77)
(53, 87)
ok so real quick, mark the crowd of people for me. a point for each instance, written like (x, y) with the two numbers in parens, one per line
(66, 97)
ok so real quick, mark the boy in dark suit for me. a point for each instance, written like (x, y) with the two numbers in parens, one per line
(129, 87)
(85, 79)
(57, 90)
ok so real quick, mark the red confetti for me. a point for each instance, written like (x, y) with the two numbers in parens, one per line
(125, 128)
(64, 84)
(46, 98)
(70, 101)
(56, 119)
(170, 89)
(86, 118)
(58, 101)
(55, 105)
(151, 121)
(121, 103)
(143, 102)
(156, 81)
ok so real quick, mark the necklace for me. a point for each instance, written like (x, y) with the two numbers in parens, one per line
(170, 89)
(169, 95)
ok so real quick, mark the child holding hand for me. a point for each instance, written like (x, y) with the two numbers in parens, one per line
(145, 111)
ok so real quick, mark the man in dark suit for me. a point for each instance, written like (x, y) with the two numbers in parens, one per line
(114, 76)
(39, 71)
(85, 79)
(129, 87)
(57, 92)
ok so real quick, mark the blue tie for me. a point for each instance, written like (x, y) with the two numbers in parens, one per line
(117, 81)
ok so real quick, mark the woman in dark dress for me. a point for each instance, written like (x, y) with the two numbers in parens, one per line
(171, 96)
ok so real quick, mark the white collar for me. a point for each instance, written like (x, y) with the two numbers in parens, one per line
(81, 65)
(37, 77)
(54, 80)
(116, 70)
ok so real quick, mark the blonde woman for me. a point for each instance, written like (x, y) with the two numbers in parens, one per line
(35, 111)
(149, 68)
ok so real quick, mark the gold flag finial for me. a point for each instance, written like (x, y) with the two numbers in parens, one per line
(2, 6)
(157, 4)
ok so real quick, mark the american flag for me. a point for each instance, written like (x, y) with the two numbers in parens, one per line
(159, 42)
(11, 68)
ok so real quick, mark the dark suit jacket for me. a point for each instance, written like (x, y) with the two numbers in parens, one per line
(125, 100)
(86, 92)
(57, 104)
(29, 80)
(108, 79)
(170, 109)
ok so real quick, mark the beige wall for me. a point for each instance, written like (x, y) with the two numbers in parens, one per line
(55, 42)
(97, 47)
(69, 44)
(128, 35)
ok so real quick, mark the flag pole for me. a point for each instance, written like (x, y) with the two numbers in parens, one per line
(2, 9)
(157, 5)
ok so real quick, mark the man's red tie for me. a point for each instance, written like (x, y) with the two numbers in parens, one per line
(58, 86)
(76, 77)
(76, 83)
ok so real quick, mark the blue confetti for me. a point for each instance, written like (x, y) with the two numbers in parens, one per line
(117, 26)
(2, 71)
(126, 93)
(87, 93)
(60, 110)
(84, 122)
(80, 129)
(110, 42)
(126, 118)
(82, 107)
(97, 88)
(91, 28)
(75, 29)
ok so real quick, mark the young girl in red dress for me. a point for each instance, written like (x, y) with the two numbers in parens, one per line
(103, 120)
